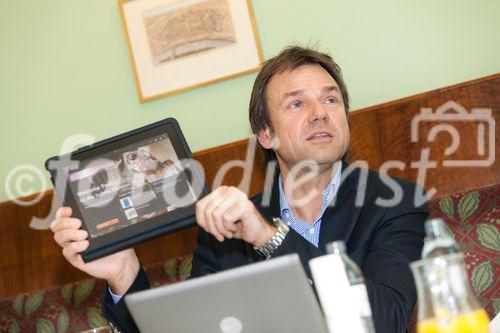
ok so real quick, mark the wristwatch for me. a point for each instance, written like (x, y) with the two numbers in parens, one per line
(271, 245)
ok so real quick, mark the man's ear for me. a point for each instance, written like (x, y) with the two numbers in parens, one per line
(265, 139)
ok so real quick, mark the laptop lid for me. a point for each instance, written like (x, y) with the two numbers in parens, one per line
(271, 296)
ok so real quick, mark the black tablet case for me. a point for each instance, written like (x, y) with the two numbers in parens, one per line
(187, 219)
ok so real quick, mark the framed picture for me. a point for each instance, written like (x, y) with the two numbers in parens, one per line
(177, 45)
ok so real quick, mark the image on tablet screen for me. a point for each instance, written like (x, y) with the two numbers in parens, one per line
(127, 186)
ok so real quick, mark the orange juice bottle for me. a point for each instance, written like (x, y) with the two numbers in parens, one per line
(446, 302)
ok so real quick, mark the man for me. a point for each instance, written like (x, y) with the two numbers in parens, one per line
(298, 111)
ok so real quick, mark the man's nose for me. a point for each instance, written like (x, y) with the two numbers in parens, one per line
(317, 112)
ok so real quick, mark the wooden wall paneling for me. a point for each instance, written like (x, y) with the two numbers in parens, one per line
(382, 133)
(214, 158)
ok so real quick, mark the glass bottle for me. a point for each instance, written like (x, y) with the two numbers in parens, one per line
(446, 302)
(342, 291)
(438, 241)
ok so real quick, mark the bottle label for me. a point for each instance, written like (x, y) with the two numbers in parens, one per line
(346, 307)
(360, 300)
(330, 281)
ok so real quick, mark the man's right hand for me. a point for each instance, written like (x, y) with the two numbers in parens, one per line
(119, 269)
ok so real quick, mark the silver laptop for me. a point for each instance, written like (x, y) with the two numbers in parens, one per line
(272, 296)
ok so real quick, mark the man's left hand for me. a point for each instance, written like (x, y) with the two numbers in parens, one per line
(228, 213)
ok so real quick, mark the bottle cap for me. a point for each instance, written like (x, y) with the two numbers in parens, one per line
(335, 247)
(435, 228)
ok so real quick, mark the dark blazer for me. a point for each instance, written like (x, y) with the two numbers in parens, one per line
(382, 241)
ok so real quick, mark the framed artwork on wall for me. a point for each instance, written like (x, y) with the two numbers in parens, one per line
(178, 45)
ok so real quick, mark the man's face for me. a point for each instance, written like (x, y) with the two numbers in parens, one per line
(308, 117)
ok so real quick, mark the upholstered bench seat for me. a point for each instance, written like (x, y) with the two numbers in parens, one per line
(75, 307)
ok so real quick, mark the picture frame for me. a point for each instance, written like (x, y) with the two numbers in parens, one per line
(179, 45)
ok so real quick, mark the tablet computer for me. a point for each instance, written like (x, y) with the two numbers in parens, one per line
(130, 188)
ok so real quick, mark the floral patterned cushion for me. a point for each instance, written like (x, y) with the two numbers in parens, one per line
(474, 218)
(75, 307)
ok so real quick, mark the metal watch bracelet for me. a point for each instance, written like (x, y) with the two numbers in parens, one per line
(271, 245)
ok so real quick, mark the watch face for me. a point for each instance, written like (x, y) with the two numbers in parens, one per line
(281, 226)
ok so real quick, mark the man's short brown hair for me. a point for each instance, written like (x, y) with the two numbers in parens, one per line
(290, 58)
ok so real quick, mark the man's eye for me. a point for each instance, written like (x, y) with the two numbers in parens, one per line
(295, 105)
(331, 100)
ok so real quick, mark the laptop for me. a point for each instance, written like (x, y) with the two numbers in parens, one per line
(272, 296)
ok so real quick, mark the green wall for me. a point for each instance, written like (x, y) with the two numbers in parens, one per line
(65, 68)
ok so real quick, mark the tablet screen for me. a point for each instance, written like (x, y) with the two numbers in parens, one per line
(127, 185)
